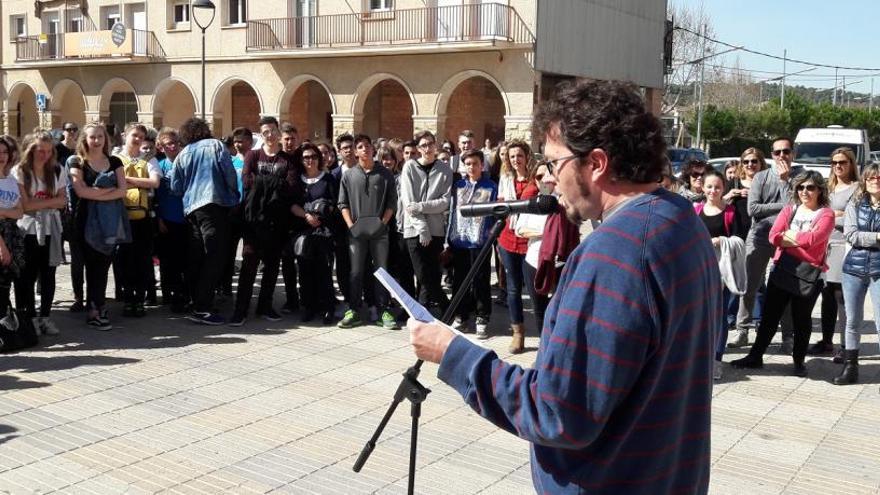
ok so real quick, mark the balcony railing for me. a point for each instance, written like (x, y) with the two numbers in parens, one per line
(489, 22)
(87, 45)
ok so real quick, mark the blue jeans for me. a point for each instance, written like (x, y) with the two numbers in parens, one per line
(518, 274)
(854, 290)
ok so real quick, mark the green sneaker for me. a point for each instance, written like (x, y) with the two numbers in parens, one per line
(388, 321)
(350, 320)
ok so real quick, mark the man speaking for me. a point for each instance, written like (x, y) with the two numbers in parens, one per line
(619, 400)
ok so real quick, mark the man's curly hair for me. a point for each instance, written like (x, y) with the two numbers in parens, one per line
(610, 116)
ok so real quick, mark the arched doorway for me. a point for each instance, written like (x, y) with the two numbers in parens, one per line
(68, 104)
(119, 102)
(22, 105)
(476, 104)
(236, 104)
(173, 104)
(388, 111)
(310, 111)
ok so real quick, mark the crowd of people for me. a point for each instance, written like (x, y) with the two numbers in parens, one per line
(298, 209)
(291, 209)
(784, 236)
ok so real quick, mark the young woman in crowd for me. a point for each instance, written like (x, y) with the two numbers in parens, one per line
(731, 169)
(11, 242)
(399, 263)
(861, 267)
(316, 280)
(692, 176)
(142, 175)
(723, 222)
(98, 180)
(801, 232)
(520, 184)
(328, 156)
(842, 185)
(43, 195)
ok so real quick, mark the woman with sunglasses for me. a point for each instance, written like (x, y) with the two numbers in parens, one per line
(692, 176)
(801, 230)
(842, 185)
(861, 267)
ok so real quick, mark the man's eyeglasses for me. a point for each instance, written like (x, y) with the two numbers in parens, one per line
(784, 151)
(551, 164)
(807, 187)
(71, 129)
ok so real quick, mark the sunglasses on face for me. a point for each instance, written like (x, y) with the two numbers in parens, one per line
(807, 187)
(750, 162)
(697, 175)
(835, 163)
(873, 178)
(784, 151)
(71, 129)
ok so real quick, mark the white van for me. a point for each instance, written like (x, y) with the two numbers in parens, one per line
(813, 146)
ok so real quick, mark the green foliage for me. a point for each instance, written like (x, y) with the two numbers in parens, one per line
(729, 130)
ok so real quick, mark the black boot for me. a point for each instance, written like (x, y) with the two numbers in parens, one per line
(751, 361)
(850, 373)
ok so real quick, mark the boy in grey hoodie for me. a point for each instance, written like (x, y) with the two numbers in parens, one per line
(425, 186)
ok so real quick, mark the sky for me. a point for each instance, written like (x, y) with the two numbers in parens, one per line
(833, 32)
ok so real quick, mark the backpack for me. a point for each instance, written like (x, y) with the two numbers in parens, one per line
(137, 200)
(16, 332)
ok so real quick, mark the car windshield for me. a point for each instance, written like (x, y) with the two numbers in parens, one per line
(820, 153)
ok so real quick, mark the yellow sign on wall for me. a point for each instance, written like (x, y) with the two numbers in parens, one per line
(96, 44)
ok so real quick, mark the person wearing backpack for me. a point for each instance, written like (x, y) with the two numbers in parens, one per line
(43, 194)
(142, 175)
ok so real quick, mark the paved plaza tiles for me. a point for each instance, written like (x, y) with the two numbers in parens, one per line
(159, 405)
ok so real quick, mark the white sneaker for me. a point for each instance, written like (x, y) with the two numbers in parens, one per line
(49, 328)
(38, 325)
(460, 324)
(741, 340)
(718, 371)
(482, 329)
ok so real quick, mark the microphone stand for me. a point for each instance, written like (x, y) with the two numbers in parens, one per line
(410, 388)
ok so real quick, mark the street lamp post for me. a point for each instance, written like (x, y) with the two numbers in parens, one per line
(203, 5)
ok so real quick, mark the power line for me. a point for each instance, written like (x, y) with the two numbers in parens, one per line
(777, 57)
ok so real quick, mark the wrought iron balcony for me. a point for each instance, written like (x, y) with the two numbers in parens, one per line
(87, 45)
(490, 22)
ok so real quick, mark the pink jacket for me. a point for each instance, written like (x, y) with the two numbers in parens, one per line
(813, 244)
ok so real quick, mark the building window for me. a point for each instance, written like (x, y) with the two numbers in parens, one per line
(17, 27)
(75, 25)
(110, 16)
(237, 12)
(379, 5)
(179, 15)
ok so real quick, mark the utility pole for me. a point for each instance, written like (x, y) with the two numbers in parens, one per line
(700, 101)
(843, 92)
(834, 94)
(782, 96)
(871, 101)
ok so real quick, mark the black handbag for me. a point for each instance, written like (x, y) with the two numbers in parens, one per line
(796, 277)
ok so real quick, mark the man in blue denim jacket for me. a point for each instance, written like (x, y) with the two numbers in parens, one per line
(203, 174)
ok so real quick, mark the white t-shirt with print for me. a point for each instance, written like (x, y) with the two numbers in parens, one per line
(10, 194)
(803, 219)
(27, 222)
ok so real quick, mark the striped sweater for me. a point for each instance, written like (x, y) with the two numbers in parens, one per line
(619, 399)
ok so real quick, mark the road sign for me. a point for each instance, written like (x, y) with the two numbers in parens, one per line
(42, 100)
(117, 33)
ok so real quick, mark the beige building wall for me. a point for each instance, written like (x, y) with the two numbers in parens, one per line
(340, 81)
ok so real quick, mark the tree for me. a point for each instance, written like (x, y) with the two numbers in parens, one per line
(686, 47)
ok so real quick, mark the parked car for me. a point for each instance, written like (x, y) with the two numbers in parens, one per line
(679, 156)
(813, 146)
(875, 156)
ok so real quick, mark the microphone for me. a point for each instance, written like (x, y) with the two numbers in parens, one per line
(543, 204)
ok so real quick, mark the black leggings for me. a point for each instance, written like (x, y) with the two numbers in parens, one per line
(36, 264)
(775, 302)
